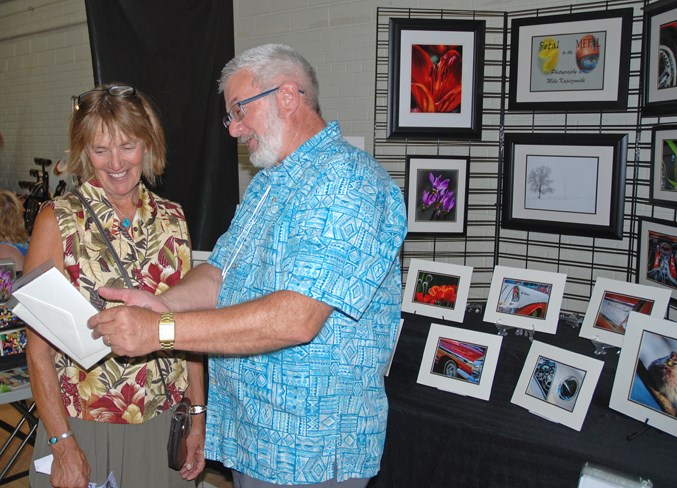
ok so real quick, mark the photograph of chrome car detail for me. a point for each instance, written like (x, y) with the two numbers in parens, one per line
(461, 360)
(551, 387)
(527, 298)
(556, 383)
(612, 302)
(524, 298)
(615, 308)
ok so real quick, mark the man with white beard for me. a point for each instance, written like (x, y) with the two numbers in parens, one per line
(299, 302)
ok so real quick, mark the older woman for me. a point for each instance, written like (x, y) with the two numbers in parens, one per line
(13, 235)
(115, 416)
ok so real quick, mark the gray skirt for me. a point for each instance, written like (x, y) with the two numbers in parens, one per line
(136, 454)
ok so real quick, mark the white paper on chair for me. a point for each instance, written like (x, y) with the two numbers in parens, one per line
(52, 306)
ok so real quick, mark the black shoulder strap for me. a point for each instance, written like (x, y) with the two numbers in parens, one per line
(122, 269)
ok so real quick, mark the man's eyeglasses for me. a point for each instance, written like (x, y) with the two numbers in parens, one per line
(237, 113)
(113, 91)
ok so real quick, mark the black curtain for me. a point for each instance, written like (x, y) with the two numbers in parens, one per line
(173, 51)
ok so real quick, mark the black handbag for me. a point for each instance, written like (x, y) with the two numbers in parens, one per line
(181, 419)
(178, 433)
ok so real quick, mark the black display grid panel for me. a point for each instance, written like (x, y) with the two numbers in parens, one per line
(486, 244)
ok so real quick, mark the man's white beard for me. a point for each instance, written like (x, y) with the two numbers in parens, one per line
(268, 144)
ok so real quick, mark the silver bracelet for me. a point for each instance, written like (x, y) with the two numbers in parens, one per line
(57, 438)
(197, 409)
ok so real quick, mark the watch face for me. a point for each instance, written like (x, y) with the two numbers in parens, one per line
(166, 331)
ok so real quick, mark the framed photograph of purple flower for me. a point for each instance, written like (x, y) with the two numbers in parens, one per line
(436, 192)
(435, 78)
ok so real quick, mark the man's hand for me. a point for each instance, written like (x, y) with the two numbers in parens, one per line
(129, 331)
(139, 298)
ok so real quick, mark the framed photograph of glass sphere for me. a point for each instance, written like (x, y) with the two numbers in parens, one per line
(571, 61)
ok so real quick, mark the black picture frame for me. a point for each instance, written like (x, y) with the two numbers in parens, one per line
(663, 170)
(656, 254)
(575, 62)
(433, 217)
(427, 112)
(659, 42)
(581, 164)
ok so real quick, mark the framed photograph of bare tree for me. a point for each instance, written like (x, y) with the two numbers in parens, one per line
(565, 183)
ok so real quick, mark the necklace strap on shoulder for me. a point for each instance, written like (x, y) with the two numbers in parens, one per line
(122, 269)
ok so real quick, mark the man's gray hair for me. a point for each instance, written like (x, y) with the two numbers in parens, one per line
(271, 64)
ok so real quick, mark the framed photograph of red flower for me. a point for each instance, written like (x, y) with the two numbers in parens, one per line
(436, 192)
(435, 77)
(571, 61)
(437, 289)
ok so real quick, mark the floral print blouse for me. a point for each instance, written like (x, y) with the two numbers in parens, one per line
(155, 251)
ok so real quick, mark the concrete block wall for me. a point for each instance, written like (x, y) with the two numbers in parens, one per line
(338, 37)
(44, 60)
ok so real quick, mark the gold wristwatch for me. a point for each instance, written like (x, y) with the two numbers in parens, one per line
(166, 331)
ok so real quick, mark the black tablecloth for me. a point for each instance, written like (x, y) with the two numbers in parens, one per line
(440, 439)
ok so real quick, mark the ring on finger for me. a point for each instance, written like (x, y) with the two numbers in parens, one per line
(108, 341)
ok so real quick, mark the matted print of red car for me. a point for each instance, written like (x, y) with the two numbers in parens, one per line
(525, 298)
(615, 309)
(460, 360)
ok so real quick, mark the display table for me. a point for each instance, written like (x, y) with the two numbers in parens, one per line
(440, 439)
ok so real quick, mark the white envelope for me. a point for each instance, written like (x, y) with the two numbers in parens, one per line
(52, 306)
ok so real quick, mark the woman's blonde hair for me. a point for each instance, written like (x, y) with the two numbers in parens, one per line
(12, 227)
(131, 114)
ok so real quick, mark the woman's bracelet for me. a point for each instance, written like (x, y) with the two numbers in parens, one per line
(57, 438)
(197, 409)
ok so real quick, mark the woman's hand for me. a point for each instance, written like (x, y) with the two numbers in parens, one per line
(70, 468)
(195, 443)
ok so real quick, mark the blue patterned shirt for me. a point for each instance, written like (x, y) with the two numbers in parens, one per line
(331, 226)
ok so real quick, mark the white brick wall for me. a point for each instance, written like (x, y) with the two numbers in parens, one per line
(45, 59)
(338, 37)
